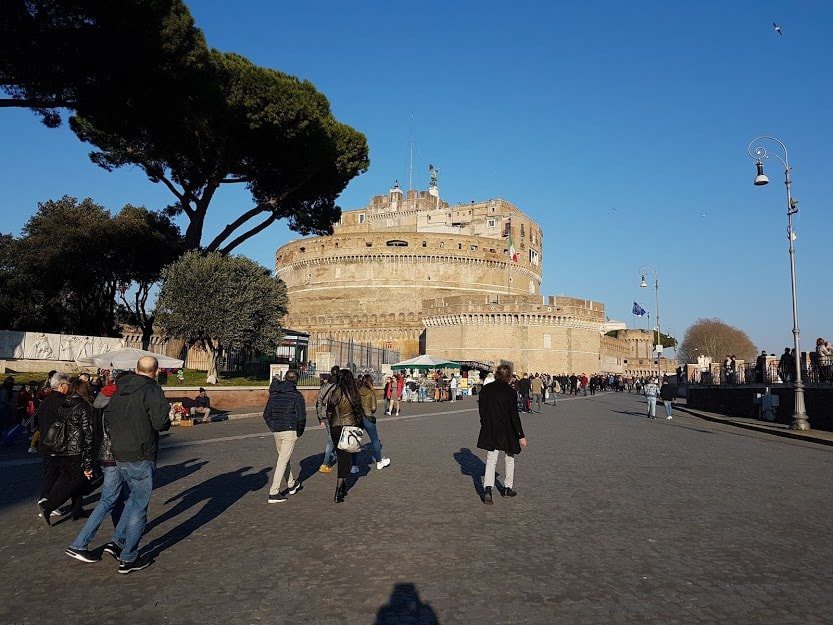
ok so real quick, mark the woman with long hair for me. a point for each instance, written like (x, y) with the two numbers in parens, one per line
(368, 397)
(75, 462)
(344, 408)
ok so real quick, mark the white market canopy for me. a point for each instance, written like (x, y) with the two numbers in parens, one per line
(126, 358)
(426, 362)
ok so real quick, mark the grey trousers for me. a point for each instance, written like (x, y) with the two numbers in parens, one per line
(491, 465)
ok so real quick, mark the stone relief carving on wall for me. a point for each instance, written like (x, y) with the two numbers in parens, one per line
(46, 346)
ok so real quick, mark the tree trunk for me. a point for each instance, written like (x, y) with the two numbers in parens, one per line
(147, 333)
(193, 234)
(213, 354)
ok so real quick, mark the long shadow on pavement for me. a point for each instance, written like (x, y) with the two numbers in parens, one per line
(164, 475)
(474, 467)
(219, 493)
(405, 606)
(631, 413)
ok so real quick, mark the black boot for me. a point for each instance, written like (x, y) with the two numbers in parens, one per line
(487, 496)
(341, 490)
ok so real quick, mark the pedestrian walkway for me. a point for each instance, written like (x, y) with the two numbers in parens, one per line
(618, 520)
(821, 437)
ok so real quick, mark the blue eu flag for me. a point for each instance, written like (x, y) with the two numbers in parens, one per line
(638, 310)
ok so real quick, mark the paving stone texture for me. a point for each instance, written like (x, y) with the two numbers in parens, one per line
(619, 520)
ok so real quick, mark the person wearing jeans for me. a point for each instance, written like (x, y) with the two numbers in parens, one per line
(666, 393)
(112, 503)
(368, 397)
(500, 430)
(135, 415)
(138, 476)
(113, 490)
(320, 410)
(651, 391)
(286, 416)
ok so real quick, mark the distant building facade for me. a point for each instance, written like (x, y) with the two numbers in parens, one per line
(412, 273)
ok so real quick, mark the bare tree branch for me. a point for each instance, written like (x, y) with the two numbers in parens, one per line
(259, 228)
(230, 228)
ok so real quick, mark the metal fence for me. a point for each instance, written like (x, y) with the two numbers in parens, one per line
(813, 371)
(358, 357)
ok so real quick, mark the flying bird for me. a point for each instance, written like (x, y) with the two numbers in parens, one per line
(777, 29)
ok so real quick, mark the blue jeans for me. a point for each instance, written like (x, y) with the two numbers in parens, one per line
(652, 406)
(139, 478)
(329, 448)
(113, 496)
(373, 433)
(667, 404)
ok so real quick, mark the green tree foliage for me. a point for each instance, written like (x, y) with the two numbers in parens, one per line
(192, 118)
(64, 272)
(219, 302)
(95, 57)
(716, 339)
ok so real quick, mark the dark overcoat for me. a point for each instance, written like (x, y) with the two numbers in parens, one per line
(500, 424)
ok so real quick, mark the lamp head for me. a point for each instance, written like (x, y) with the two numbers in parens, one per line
(643, 284)
(761, 179)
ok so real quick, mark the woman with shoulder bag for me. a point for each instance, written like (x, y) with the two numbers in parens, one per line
(344, 409)
(368, 396)
(75, 462)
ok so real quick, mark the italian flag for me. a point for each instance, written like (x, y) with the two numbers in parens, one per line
(513, 253)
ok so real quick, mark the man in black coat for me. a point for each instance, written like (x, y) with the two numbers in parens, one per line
(500, 430)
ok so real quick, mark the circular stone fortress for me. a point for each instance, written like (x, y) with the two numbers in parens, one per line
(410, 272)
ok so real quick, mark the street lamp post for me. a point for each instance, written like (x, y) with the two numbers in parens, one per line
(758, 153)
(644, 270)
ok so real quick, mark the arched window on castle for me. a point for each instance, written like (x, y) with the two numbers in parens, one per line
(397, 243)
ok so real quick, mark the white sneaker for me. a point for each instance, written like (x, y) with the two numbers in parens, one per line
(384, 462)
(354, 469)
(32, 450)
(668, 418)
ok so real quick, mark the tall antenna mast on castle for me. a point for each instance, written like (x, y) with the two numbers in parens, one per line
(411, 155)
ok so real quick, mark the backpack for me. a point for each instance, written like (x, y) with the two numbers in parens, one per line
(54, 441)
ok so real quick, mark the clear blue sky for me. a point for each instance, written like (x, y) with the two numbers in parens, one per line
(566, 109)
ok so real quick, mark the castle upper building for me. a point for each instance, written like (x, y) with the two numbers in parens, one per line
(413, 273)
(367, 280)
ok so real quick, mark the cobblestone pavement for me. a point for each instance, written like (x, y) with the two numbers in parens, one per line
(619, 520)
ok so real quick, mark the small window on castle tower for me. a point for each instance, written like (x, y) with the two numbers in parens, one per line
(473, 248)
(424, 244)
(442, 244)
(303, 249)
(368, 244)
(459, 246)
(361, 218)
(490, 223)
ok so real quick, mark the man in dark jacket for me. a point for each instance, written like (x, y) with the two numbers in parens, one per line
(48, 413)
(134, 417)
(666, 394)
(500, 430)
(286, 416)
(524, 387)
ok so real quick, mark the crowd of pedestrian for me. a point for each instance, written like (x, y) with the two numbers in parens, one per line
(105, 432)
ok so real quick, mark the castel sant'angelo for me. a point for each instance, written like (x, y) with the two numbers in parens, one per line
(413, 273)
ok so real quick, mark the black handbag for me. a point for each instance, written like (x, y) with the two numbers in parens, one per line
(54, 441)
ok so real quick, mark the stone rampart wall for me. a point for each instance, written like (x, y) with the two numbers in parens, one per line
(530, 348)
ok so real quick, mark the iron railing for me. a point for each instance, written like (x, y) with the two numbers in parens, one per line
(813, 371)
